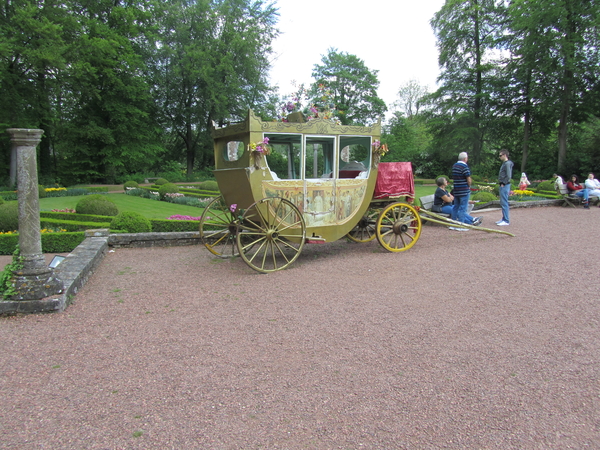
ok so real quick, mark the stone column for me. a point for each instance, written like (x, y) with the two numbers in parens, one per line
(35, 281)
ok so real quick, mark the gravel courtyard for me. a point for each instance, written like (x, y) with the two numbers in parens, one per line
(466, 341)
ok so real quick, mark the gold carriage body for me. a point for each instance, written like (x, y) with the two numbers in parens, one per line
(326, 170)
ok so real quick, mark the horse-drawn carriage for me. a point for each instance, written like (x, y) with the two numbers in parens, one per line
(285, 184)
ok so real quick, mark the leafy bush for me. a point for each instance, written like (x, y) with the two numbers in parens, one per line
(130, 184)
(209, 186)
(9, 216)
(97, 204)
(41, 191)
(131, 222)
(161, 181)
(483, 196)
(9, 195)
(1, 200)
(547, 185)
(168, 188)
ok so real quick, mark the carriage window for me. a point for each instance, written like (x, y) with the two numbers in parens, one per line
(233, 150)
(319, 157)
(355, 156)
(284, 159)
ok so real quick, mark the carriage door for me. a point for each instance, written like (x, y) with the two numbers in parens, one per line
(319, 180)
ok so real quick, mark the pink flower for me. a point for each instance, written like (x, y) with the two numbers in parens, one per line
(233, 206)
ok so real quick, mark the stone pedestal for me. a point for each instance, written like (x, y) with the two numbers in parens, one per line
(35, 281)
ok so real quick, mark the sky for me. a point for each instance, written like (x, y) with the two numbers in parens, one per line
(391, 36)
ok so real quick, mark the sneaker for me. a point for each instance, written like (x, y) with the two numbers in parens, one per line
(458, 229)
(477, 221)
(502, 223)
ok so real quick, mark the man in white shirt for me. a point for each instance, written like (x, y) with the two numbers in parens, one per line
(593, 185)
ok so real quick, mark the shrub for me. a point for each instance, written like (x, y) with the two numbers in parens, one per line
(161, 181)
(97, 204)
(1, 200)
(9, 216)
(547, 185)
(168, 188)
(483, 196)
(41, 191)
(131, 222)
(130, 184)
(209, 186)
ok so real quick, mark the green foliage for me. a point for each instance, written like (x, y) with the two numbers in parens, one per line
(7, 287)
(161, 181)
(131, 222)
(41, 191)
(353, 86)
(1, 201)
(97, 204)
(547, 185)
(9, 216)
(209, 185)
(62, 242)
(483, 196)
(130, 184)
(9, 196)
(168, 188)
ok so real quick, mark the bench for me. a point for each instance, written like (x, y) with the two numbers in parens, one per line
(570, 199)
(427, 204)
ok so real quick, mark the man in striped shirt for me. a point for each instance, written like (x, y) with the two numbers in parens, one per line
(461, 174)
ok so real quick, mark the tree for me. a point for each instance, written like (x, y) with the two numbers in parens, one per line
(211, 66)
(352, 85)
(410, 98)
(557, 44)
(467, 31)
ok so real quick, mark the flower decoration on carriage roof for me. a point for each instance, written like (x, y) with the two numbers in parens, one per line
(378, 148)
(260, 148)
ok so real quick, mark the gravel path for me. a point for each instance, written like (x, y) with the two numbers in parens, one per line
(466, 341)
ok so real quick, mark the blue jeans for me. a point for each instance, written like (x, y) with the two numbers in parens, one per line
(583, 193)
(459, 208)
(504, 191)
(448, 210)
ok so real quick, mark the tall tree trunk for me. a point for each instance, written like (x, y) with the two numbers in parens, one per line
(567, 87)
(478, 141)
(190, 148)
(527, 122)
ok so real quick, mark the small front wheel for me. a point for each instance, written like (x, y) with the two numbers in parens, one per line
(271, 234)
(365, 230)
(398, 227)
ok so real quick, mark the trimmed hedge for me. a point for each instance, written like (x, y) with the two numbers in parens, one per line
(51, 242)
(75, 217)
(166, 225)
(72, 225)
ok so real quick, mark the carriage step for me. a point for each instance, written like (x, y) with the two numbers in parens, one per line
(315, 240)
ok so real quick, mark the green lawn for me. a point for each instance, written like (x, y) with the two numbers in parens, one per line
(152, 209)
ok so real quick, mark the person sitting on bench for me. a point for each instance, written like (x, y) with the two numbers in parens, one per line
(577, 189)
(442, 202)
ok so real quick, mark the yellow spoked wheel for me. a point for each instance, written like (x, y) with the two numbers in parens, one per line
(366, 228)
(398, 227)
(218, 229)
(271, 234)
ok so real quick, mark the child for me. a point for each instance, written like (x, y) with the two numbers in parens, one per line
(524, 182)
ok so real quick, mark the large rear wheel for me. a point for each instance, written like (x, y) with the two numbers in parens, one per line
(271, 234)
(218, 229)
(398, 227)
